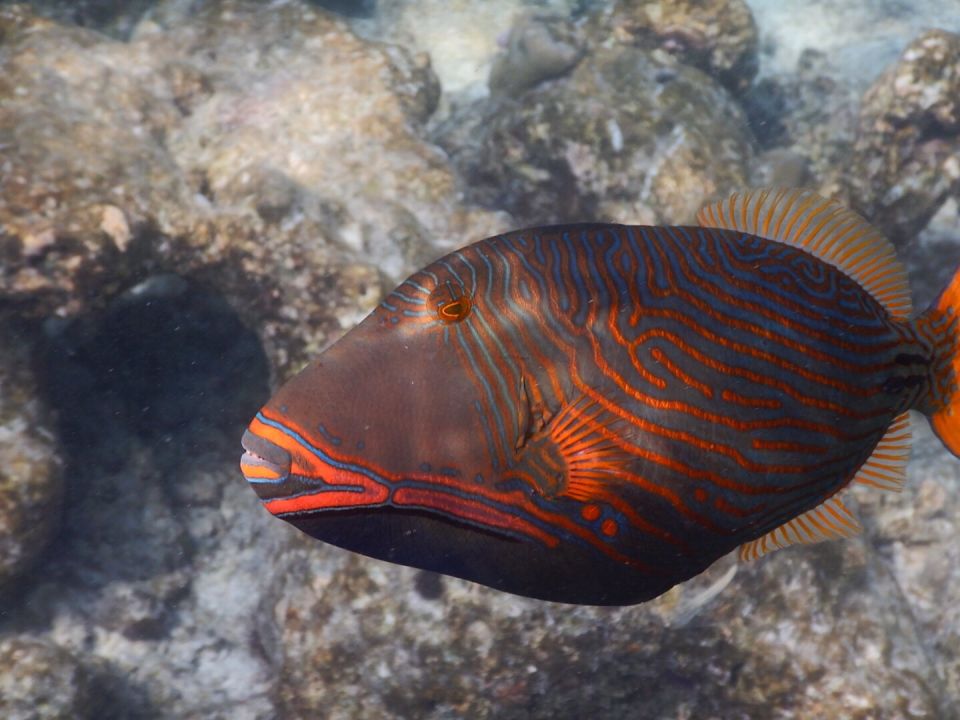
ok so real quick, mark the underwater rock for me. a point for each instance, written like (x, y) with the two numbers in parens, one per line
(717, 36)
(314, 114)
(40, 681)
(171, 573)
(861, 38)
(538, 48)
(915, 536)
(812, 632)
(311, 138)
(122, 159)
(31, 483)
(906, 158)
(780, 167)
(630, 136)
(809, 112)
(152, 571)
(113, 18)
(81, 118)
(461, 37)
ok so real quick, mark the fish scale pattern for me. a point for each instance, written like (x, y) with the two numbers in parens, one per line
(711, 384)
(592, 413)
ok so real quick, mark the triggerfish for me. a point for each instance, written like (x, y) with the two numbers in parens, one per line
(592, 413)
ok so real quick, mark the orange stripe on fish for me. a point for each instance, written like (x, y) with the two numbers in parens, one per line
(593, 413)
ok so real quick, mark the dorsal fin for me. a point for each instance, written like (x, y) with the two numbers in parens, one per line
(824, 228)
(828, 521)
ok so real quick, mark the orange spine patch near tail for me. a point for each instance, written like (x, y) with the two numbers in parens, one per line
(939, 326)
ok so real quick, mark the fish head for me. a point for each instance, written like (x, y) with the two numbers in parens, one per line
(382, 445)
(400, 442)
(385, 407)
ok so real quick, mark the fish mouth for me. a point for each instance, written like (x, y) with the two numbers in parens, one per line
(263, 461)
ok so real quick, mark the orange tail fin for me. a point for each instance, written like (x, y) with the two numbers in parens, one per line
(939, 324)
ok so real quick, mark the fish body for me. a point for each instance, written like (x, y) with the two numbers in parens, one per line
(594, 413)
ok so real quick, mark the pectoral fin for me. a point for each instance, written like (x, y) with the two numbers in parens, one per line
(575, 454)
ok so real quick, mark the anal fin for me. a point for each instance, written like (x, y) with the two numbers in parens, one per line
(830, 520)
(886, 468)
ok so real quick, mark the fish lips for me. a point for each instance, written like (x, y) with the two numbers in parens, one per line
(264, 462)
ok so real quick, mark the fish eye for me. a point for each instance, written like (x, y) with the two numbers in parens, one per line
(454, 311)
(450, 304)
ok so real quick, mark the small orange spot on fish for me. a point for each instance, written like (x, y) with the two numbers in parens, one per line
(590, 512)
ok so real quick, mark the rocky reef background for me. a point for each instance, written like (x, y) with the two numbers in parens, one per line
(198, 195)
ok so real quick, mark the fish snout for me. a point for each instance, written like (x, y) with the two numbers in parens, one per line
(264, 462)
